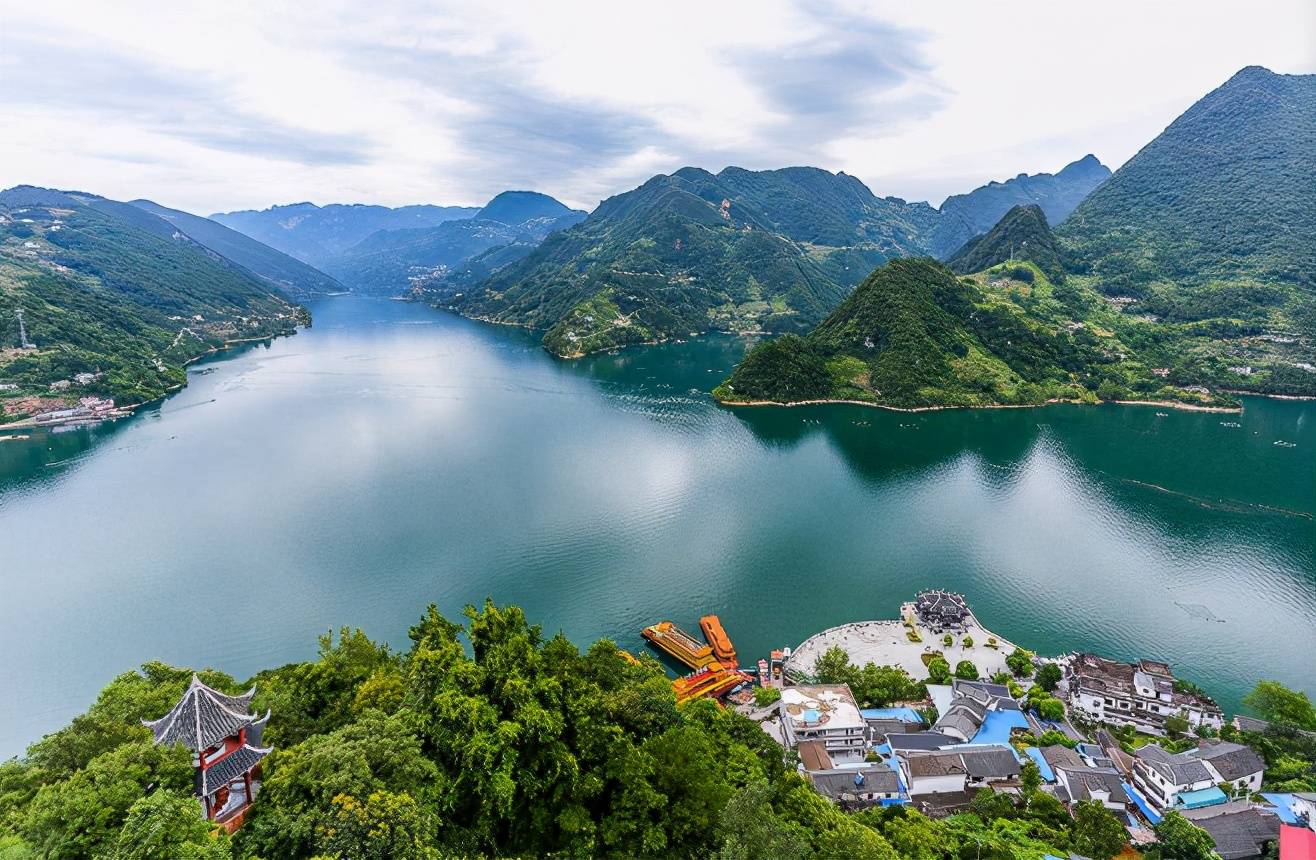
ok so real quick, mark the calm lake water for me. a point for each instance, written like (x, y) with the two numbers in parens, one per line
(394, 455)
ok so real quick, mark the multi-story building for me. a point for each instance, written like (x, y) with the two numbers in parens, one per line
(1142, 694)
(1199, 777)
(826, 713)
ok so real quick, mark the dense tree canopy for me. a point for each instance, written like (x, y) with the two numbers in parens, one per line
(487, 738)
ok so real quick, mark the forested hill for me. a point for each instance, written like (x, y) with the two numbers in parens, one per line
(318, 234)
(109, 290)
(290, 276)
(1057, 194)
(1023, 234)
(913, 335)
(486, 738)
(1224, 195)
(740, 250)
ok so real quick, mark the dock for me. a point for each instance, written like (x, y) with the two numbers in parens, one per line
(714, 681)
(672, 640)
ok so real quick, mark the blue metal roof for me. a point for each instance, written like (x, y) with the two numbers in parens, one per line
(1141, 802)
(1202, 797)
(1283, 806)
(1045, 769)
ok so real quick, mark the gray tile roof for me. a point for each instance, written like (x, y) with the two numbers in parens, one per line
(229, 768)
(203, 717)
(1061, 756)
(1233, 761)
(1086, 781)
(920, 741)
(993, 762)
(1241, 834)
(839, 783)
(1180, 769)
(935, 764)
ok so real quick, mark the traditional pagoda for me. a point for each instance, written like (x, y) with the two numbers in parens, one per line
(224, 738)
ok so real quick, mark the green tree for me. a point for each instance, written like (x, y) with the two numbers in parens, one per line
(967, 641)
(1020, 661)
(1030, 779)
(167, 825)
(1051, 709)
(939, 670)
(1276, 703)
(385, 826)
(1048, 677)
(1180, 839)
(833, 666)
(878, 686)
(764, 696)
(751, 829)
(1176, 725)
(966, 671)
(948, 640)
(1096, 833)
(80, 816)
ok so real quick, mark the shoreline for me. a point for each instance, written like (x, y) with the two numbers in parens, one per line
(130, 409)
(1167, 404)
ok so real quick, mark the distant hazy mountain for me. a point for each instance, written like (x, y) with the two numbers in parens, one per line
(292, 277)
(1227, 193)
(517, 207)
(317, 234)
(111, 290)
(1022, 234)
(1057, 194)
(389, 262)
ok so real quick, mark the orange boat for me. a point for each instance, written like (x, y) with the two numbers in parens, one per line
(717, 637)
(667, 637)
(712, 682)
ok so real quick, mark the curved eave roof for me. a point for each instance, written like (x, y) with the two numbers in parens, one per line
(203, 717)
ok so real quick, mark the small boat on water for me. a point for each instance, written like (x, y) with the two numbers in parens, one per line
(15, 437)
(1162, 414)
(1281, 443)
(1230, 424)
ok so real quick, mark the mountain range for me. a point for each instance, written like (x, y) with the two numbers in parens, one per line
(116, 298)
(318, 234)
(1195, 260)
(1190, 270)
(739, 250)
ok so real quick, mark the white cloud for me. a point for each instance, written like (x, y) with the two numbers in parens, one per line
(221, 106)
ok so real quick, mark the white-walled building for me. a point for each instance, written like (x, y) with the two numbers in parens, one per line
(1139, 694)
(826, 713)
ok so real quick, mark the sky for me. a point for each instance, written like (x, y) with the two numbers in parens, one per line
(219, 106)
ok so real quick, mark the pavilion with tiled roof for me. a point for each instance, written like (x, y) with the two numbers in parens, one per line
(224, 737)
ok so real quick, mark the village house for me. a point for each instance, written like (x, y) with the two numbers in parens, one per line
(854, 788)
(957, 770)
(1193, 779)
(1239, 830)
(827, 713)
(1080, 778)
(971, 703)
(1141, 695)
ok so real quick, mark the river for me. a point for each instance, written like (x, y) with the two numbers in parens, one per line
(394, 455)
